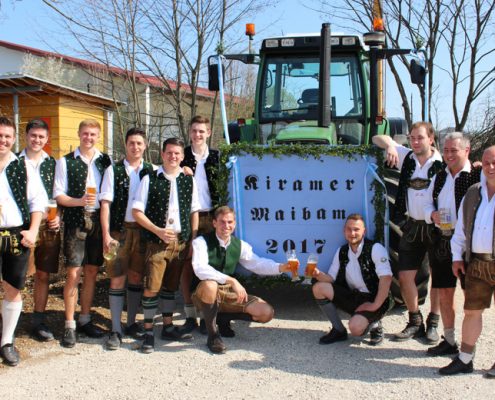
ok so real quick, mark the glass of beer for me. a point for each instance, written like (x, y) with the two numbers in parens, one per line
(294, 265)
(311, 265)
(111, 253)
(445, 221)
(51, 210)
(91, 190)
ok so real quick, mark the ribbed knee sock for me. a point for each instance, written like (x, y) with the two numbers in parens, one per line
(11, 311)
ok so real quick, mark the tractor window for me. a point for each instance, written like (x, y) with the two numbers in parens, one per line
(289, 89)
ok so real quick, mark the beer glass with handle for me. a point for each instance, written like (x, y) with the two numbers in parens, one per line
(294, 264)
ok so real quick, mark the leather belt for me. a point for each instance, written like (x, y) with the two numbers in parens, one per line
(483, 256)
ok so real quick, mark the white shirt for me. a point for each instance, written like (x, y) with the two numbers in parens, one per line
(446, 197)
(61, 185)
(416, 199)
(107, 186)
(353, 274)
(11, 215)
(35, 166)
(202, 181)
(482, 239)
(249, 260)
(141, 199)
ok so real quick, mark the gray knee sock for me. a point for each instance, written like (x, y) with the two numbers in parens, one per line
(150, 305)
(116, 301)
(134, 294)
(332, 314)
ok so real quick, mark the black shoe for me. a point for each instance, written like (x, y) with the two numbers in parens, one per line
(444, 348)
(225, 329)
(42, 333)
(9, 354)
(189, 325)
(376, 335)
(333, 336)
(70, 338)
(91, 330)
(202, 327)
(135, 331)
(456, 367)
(114, 341)
(490, 374)
(216, 345)
(409, 332)
(148, 345)
(170, 332)
(431, 328)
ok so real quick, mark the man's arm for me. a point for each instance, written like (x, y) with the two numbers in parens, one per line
(391, 155)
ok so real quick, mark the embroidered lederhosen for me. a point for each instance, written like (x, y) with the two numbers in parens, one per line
(211, 169)
(158, 200)
(121, 182)
(77, 172)
(407, 170)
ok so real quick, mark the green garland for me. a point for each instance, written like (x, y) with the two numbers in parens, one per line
(306, 151)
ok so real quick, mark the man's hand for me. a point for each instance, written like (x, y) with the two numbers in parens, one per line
(107, 239)
(187, 171)
(367, 307)
(239, 289)
(458, 268)
(88, 200)
(54, 224)
(435, 217)
(321, 276)
(29, 238)
(167, 235)
(284, 268)
(391, 156)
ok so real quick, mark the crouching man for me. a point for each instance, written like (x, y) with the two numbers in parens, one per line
(357, 282)
(215, 256)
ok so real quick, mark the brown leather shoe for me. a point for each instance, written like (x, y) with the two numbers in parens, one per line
(215, 344)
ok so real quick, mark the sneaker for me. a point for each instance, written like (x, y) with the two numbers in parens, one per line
(91, 330)
(490, 374)
(148, 345)
(42, 333)
(216, 345)
(170, 332)
(114, 341)
(70, 338)
(409, 332)
(225, 329)
(202, 327)
(376, 335)
(9, 354)
(189, 325)
(456, 367)
(444, 348)
(333, 336)
(135, 331)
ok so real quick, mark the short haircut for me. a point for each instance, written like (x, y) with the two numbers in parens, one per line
(355, 217)
(428, 127)
(4, 121)
(173, 141)
(199, 119)
(463, 139)
(223, 210)
(36, 124)
(135, 132)
(90, 123)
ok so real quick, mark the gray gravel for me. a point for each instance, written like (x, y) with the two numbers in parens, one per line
(281, 359)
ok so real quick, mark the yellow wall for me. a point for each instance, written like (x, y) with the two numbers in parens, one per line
(62, 115)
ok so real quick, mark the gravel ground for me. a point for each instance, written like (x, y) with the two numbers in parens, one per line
(281, 359)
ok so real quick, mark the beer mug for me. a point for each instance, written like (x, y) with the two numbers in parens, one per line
(111, 253)
(445, 221)
(294, 264)
(91, 190)
(311, 265)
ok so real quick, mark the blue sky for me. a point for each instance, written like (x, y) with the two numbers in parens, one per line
(30, 23)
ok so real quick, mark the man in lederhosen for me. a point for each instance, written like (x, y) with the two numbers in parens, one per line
(77, 184)
(22, 202)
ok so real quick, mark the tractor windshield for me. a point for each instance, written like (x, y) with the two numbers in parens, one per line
(289, 89)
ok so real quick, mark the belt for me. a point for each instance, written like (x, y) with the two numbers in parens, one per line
(205, 213)
(419, 184)
(11, 231)
(417, 221)
(483, 257)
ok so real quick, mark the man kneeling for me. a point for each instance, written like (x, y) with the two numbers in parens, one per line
(215, 257)
(357, 282)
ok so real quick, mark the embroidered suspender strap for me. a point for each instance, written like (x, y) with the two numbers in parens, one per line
(47, 174)
(17, 179)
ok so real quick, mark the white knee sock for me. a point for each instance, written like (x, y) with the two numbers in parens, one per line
(11, 310)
